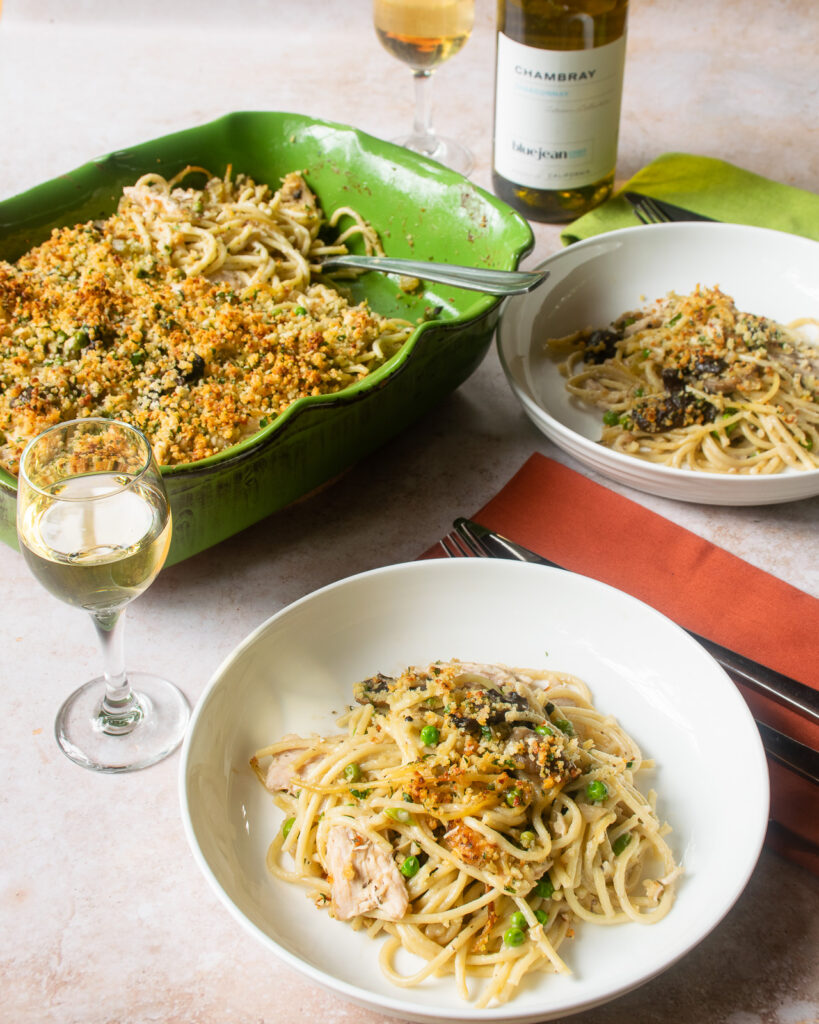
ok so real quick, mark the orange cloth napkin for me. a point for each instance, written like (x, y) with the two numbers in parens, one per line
(596, 532)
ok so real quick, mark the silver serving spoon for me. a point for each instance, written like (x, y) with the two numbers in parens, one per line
(477, 279)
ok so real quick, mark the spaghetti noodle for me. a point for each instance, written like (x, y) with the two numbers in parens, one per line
(238, 231)
(692, 382)
(473, 815)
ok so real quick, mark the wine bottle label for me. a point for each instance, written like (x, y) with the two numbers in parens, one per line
(557, 113)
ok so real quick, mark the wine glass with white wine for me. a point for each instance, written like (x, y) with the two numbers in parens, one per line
(423, 34)
(94, 526)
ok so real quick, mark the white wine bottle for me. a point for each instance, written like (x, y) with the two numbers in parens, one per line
(558, 86)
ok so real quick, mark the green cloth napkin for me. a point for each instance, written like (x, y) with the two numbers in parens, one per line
(711, 187)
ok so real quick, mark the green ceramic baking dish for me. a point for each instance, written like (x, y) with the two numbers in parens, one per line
(421, 210)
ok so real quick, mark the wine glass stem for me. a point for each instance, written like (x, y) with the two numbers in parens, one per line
(423, 136)
(120, 709)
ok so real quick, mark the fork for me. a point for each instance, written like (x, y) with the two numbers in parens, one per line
(648, 212)
(657, 211)
(786, 751)
(456, 545)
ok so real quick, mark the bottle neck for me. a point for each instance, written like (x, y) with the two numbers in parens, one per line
(572, 25)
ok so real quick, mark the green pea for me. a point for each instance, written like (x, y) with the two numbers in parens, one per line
(543, 730)
(399, 814)
(300, 311)
(430, 735)
(620, 843)
(518, 920)
(597, 791)
(352, 772)
(514, 797)
(514, 937)
(565, 726)
(611, 418)
(410, 866)
(287, 824)
(542, 916)
(78, 342)
(527, 837)
(544, 888)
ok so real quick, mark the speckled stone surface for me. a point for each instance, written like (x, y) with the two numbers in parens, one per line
(105, 916)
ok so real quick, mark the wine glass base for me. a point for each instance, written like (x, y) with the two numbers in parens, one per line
(81, 736)
(446, 151)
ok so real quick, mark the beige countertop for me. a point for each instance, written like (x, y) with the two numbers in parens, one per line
(105, 916)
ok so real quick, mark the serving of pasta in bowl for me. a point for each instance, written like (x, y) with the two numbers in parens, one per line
(472, 789)
(681, 359)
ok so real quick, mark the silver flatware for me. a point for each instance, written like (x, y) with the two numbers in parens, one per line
(657, 211)
(471, 539)
(789, 752)
(478, 279)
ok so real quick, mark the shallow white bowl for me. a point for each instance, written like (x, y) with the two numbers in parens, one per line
(299, 667)
(769, 273)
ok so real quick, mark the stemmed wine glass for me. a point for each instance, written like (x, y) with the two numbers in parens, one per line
(94, 525)
(423, 34)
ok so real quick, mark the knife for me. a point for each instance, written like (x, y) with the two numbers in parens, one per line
(671, 211)
(798, 757)
(779, 687)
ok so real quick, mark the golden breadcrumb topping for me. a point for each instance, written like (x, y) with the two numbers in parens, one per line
(107, 319)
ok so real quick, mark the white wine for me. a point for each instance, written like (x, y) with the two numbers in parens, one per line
(423, 33)
(95, 542)
(558, 86)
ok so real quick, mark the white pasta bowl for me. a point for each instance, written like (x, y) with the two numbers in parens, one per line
(298, 668)
(769, 273)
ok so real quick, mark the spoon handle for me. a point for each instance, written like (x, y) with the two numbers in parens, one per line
(479, 279)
